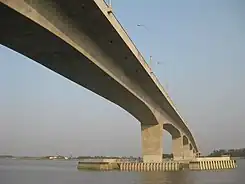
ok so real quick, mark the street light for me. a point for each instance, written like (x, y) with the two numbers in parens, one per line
(151, 62)
(142, 25)
(109, 3)
(109, 11)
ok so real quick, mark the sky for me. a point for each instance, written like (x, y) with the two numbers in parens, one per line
(200, 48)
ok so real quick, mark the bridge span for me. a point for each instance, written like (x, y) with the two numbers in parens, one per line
(84, 42)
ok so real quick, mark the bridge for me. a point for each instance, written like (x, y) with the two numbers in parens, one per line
(84, 42)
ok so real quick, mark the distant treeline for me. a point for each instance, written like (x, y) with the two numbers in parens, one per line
(116, 157)
(6, 156)
(86, 157)
(231, 152)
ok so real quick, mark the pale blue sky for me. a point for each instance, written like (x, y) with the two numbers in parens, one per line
(201, 47)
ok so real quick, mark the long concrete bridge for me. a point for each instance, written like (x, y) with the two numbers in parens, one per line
(84, 42)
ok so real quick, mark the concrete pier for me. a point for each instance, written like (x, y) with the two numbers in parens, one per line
(151, 138)
(198, 164)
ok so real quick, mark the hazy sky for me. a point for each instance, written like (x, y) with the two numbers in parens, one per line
(201, 47)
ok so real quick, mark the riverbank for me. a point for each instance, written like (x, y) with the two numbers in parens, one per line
(35, 158)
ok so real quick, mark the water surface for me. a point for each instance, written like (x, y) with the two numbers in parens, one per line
(65, 172)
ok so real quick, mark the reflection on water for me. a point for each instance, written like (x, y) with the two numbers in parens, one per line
(65, 172)
(165, 177)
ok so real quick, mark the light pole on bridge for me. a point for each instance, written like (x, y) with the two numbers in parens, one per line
(142, 25)
(151, 62)
(109, 3)
(109, 11)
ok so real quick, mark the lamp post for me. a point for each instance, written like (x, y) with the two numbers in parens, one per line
(143, 26)
(109, 11)
(109, 3)
(151, 62)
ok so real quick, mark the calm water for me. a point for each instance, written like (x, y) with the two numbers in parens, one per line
(64, 172)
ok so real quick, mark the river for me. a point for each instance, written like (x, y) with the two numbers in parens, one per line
(65, 172)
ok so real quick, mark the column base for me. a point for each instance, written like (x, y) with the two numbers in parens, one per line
(152, 158)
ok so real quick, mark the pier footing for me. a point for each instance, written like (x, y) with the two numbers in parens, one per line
(205, 163)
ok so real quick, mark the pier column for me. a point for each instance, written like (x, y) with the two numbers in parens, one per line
(177, 148)
(151, 137)
(188, 150)
(186, 147)
(191, 153)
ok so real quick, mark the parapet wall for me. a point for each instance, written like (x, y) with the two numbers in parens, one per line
(212, 164)
(212, 158)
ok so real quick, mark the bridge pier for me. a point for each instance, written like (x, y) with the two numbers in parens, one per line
(192, 154)
(188, 152)
(177, 148)
(151, 137)
(182, 149)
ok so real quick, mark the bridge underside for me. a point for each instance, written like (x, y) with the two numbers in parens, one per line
(48, 32)
(34, 41)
